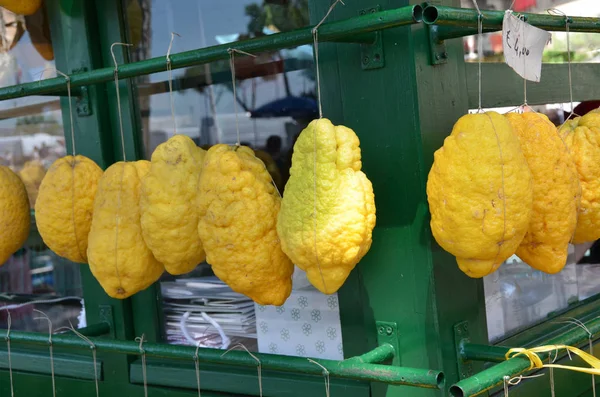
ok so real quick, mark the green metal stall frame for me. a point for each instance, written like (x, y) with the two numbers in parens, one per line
(412, 323)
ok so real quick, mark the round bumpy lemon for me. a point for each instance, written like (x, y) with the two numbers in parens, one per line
(582, 137)
(64, 206)
(32, 174)
(15, 218)
(237, 208)
(118, 257)
(556, 192)
(480, 193)
(169, 215)
(342, 197)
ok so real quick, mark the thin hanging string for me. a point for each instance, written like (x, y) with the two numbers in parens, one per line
(172, 99)
(73, 152)
(143, 354)
(116, 73)
(580, 324)
(232, 52)
(68, 80)
(92, 347)
(508, 381)
(525, 105)
(10, 374)
(479, 52)
(325, 376)
(555, 11)
(551, 372)
(315, 32)
(45, 317)
(197, 366)
(258, 364)
(117, 217)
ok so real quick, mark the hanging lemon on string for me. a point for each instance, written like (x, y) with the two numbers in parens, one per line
(64, 205)
(582, 137)
(479, 191)
(118, 256)
(237, 207)
(556, 192)
(328, 209)
(15, 219)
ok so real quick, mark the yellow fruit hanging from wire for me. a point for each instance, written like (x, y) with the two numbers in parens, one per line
(64, 206)
(480, 193)
(118, 256)
(237, 208)
(330, 183)
(169, 217)
(556, 192)
(15, 218)
(582, 137)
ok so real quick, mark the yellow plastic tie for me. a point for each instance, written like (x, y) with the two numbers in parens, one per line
(536, 361)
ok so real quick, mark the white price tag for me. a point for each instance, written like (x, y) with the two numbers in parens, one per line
(523, 46)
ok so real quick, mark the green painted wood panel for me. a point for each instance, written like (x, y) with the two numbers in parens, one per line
(64, 365)
(501, 86)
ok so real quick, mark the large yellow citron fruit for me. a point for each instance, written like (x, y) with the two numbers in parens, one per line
(582, 137)
(237, 208)
(330, 246)
(21, 7)
(118, 257)
(169, 215)
(32, 174)
(15, 218)
(480, 193)
(64, 206)
(556, 192)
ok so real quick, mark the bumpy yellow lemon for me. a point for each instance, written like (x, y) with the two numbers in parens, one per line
(330, 246)
(169, 215)
(32, 174)
(556, 192)
(21, 7)
(63, 209)
(582, 136)
(14, 214)
(237, 208)
(480, 193)
(118, 257)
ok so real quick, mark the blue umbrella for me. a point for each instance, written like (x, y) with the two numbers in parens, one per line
(291, 106)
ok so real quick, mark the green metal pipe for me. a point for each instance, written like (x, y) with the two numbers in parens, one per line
(348, 369)
(378, 355)
(475, 352)
(335, 31)
(494, 376)
(465, 20)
